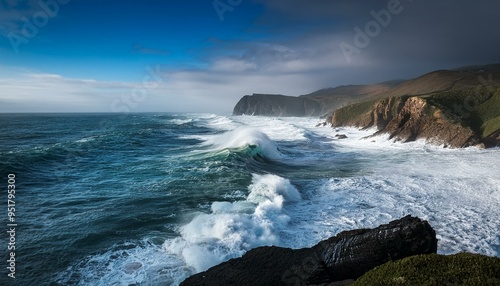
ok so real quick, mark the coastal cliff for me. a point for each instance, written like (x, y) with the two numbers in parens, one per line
(318, 103)
(453, 108)
(277, 105)
(438, 118)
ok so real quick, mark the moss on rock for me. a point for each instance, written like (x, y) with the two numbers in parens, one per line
(459, 269)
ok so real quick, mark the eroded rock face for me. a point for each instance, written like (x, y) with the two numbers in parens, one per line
(411, 118)
(378, 114)
(268, 265)
(417, 119)
(347, 255)
(492, 140)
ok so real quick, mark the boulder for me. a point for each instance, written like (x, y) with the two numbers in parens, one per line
(343, 257)
(350, 254)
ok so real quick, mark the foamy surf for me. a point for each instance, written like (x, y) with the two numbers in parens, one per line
(231, 229)
(242, 139)
(314, 186)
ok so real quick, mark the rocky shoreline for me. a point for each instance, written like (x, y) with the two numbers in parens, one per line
(339, 260)
(410, 118)
(453, 108)
(346, 256)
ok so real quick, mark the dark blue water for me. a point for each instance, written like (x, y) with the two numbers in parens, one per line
(149, 199)
(88, 182)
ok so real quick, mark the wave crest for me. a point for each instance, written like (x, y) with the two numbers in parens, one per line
(232, 228)
(250, 140)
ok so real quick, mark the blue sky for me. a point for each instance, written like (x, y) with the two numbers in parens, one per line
(203, 55)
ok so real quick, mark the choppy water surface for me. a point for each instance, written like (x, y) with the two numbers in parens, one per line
(149, 199)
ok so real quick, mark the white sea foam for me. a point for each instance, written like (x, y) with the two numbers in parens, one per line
(127, 264)
(233, 228)
(179, 121)
(456, 190)
(241, 138)
(278, 129)
(85, 140)
(217, 122)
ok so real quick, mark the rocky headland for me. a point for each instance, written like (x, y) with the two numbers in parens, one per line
(351, 257)
(319, 103)
(277, 105)
(453, 108)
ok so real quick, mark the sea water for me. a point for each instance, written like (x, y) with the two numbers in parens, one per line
(149, 199)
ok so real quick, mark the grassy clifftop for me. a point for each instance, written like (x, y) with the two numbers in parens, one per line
(459, 269)
(456, 108)
(478, 108)
(457, 114)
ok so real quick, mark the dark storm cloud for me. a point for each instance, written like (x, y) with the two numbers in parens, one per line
(292, 47)
(424, 35)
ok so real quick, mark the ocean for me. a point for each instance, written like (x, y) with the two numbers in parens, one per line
(151, 198)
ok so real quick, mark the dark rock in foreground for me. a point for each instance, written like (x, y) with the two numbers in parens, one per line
(347, 255)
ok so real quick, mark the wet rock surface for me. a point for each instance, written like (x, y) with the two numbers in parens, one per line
(338, 260)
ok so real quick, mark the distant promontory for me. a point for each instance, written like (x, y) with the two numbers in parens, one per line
(454, 108)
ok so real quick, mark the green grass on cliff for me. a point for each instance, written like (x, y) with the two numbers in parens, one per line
(489, 112)
(459, 269)
(478, 108)
(351, 112)
(491, 126)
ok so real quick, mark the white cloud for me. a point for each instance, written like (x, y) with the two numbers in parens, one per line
(233, 65)
(213, 90)
(264, 68)
(37, 92)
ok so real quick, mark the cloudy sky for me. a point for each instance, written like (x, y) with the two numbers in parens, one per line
(203, 55)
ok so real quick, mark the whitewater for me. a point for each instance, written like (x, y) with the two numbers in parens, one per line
(199, 189)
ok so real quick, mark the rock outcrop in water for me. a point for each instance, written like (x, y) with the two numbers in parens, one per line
(347, 255)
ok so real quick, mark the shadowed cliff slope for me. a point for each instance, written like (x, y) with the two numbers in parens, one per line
(456, 108)
(318, 103)
(277, 105)
(455, 117)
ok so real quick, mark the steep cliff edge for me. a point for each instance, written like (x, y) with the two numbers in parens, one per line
(277, 105)
(456, 108)
(318, 103)
(453, 118)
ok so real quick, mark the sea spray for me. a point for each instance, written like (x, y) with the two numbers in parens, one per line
(250, 140)
(165, 195)
(231, 229)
